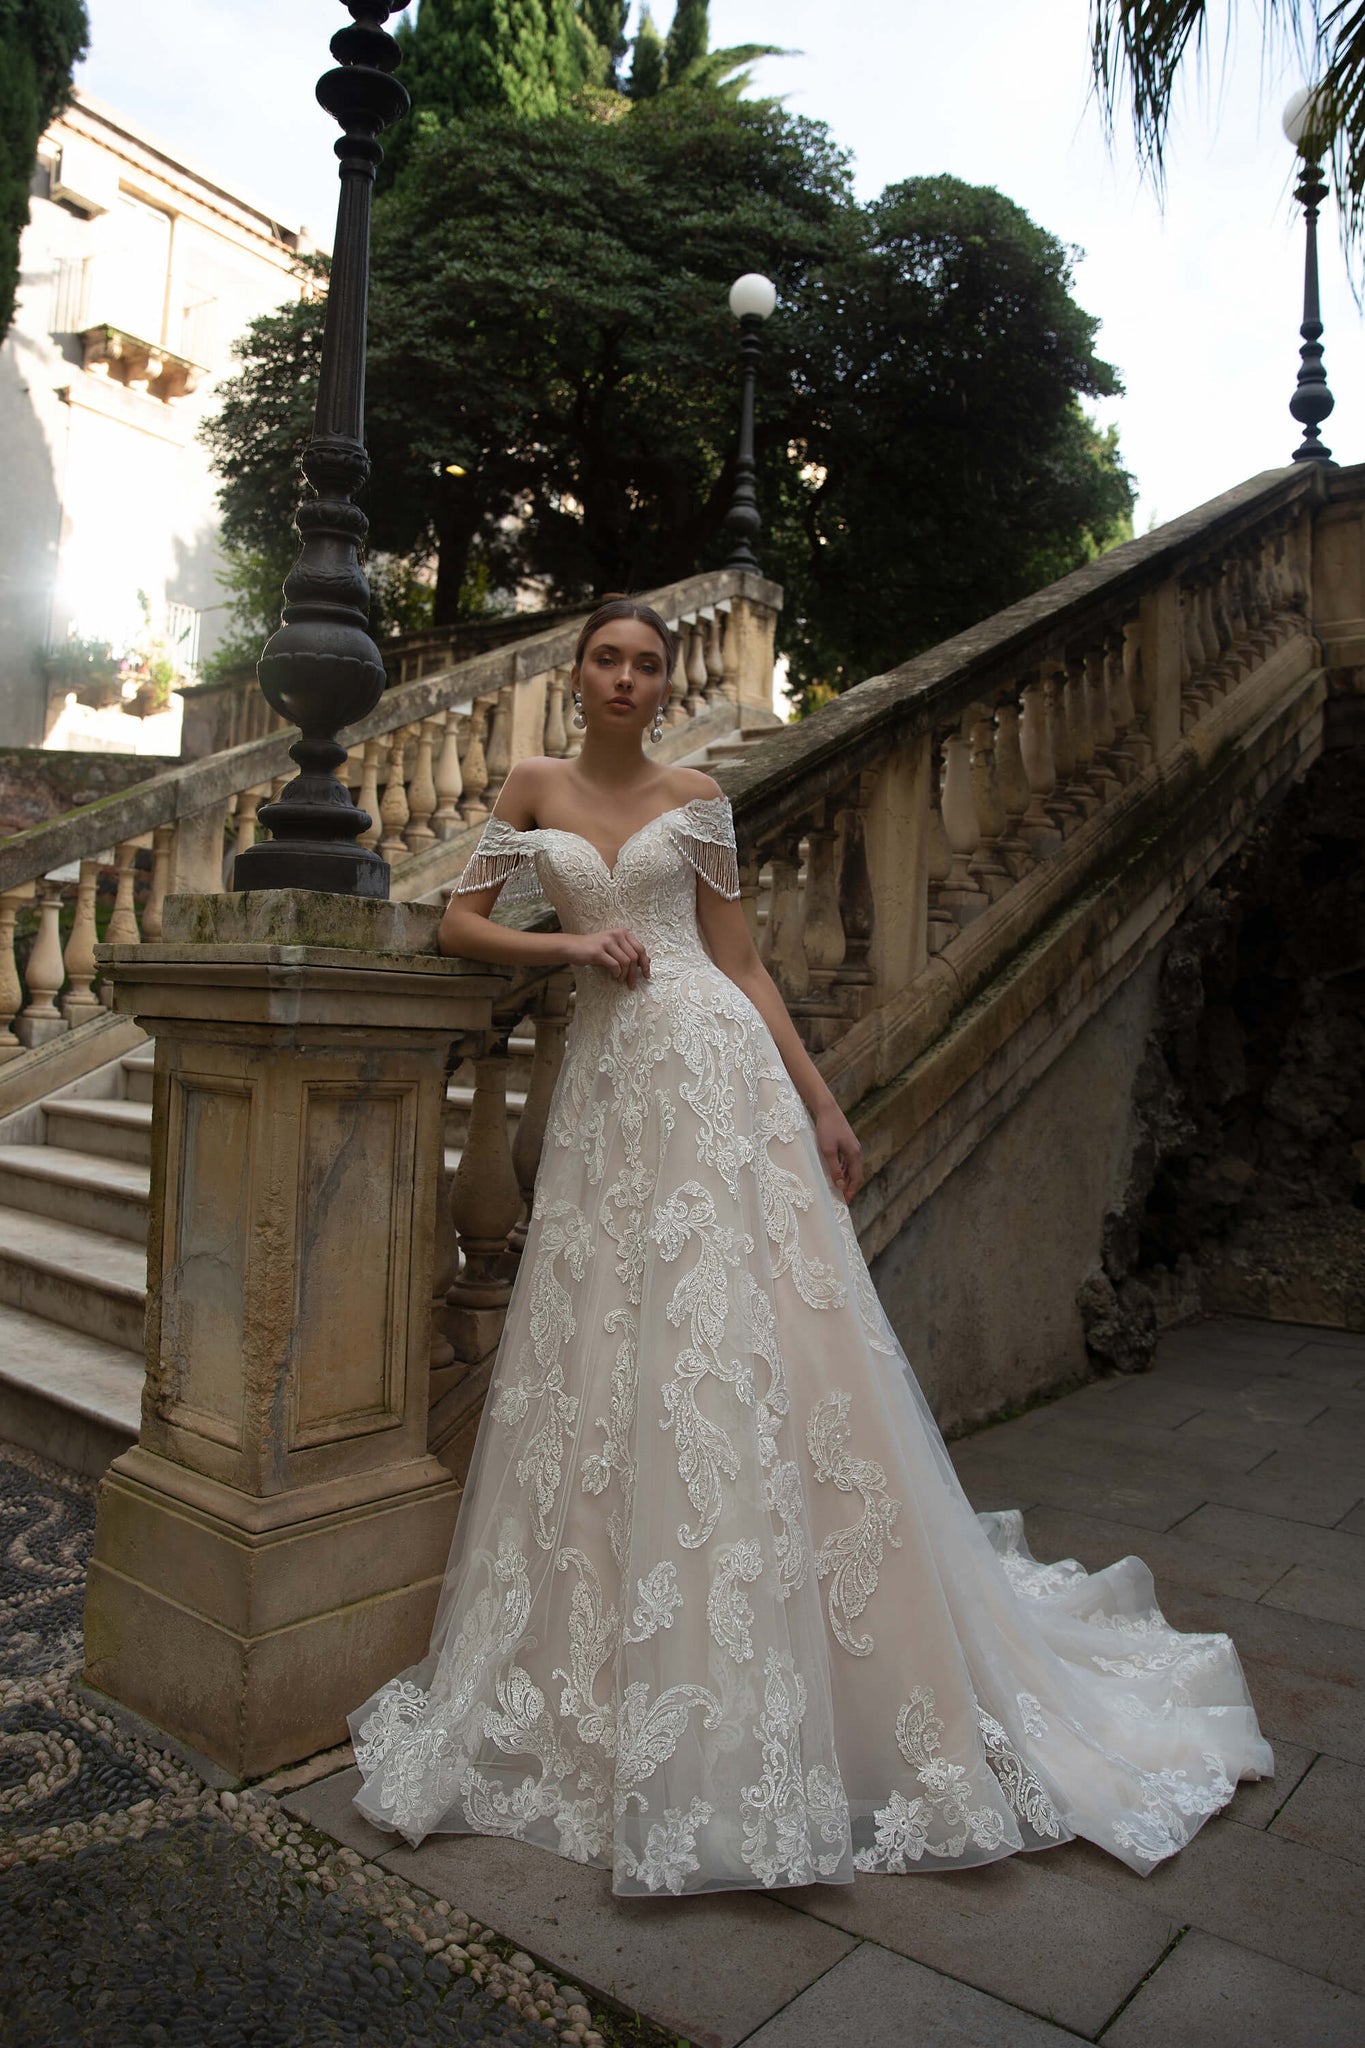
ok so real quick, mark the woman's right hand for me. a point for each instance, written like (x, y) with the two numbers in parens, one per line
(618, 951)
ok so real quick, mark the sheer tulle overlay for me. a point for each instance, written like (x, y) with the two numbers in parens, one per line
(717, 1611)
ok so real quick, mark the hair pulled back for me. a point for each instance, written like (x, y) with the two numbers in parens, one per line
(619, 607)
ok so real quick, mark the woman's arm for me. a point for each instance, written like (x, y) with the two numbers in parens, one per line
(725, 929)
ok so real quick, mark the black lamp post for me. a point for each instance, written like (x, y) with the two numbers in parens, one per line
(1312, 401)
(321, 670)
(752, 299)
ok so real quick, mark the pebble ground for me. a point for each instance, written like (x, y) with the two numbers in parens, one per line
(138, 1905)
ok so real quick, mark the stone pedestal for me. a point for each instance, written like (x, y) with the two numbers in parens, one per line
(272, 1547)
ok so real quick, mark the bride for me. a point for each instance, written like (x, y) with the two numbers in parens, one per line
(717, 1611)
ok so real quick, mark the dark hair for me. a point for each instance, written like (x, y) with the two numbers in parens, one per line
(616, 607)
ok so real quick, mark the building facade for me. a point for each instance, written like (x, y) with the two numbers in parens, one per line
(137, 274)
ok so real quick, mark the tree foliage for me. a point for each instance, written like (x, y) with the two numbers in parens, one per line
(41, 41)
(549, 316)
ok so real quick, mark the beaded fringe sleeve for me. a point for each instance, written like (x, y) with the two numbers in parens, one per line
(704, 833)
(506, 856)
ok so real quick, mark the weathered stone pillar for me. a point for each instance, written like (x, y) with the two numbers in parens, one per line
(750, 632)
(272, 1546)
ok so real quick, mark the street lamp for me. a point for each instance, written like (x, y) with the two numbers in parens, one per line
(1312, 401)
(752, 299)
(321, 670)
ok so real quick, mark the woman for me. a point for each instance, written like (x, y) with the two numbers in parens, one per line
(717, 1611)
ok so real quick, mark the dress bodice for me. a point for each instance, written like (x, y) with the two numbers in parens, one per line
(651, 888)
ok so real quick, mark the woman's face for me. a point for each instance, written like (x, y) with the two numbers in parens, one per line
(622, 676)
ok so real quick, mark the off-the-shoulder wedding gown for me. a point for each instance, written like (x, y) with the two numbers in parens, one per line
(717, 1611)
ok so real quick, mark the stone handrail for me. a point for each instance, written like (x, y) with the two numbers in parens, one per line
(426, 764)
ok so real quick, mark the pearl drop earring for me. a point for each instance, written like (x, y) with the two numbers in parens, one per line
(656, 731)
(578, 718)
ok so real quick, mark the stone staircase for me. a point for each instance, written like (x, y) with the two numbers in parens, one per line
(75, 1174)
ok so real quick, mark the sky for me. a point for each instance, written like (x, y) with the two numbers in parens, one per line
(1199, 299)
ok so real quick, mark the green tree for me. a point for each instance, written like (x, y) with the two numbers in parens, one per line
(605, 22)
(1140, 48)
(549, 317)
(41, 41)
(461, 57)
(945, 467)
(689, 37)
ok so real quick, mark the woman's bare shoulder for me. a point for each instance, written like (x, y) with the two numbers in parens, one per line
(693, 782)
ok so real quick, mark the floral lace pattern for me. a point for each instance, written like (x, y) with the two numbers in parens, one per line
(717, 1612)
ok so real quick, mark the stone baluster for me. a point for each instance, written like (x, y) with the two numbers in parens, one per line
(422, 788)
(445, 1265)
(1196, 691)
(80, 1000)
(1012, 787)
(474, 765)
(11, 988)
(122, 927)
(1103, 770)
(393, 810)
(549, 1024)
(1135, 682)
(696, 668)
(750, 889)
(1123, 712)
(163, 853)
(556, 725)
(857, 901)
(41, 1019)
(822, 937)
(1233, 610)
(731, 657)
(960, 893)
(678, 706)
(485, 1197)
(449, 780)
(1063, 807)
(1037, 828)
(785, 952)
(498, 756)
(714, 659)
(369, 791)
(942, 926)
(987, 864)
(249, 801)
(1081, 789)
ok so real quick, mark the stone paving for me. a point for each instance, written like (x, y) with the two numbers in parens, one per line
(142, 1906)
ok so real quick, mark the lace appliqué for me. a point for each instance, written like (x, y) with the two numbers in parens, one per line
(704, 833)
(784, 1813)
(728, 1613)
(1017, 1781)
(850, 1558)
(905, 1827)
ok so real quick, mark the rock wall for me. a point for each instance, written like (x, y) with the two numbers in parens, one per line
(37, 783)
(1246, 1190)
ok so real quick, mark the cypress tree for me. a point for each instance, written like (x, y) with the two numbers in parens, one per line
(40, 43)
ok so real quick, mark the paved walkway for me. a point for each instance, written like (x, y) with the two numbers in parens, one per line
(1235, 1469)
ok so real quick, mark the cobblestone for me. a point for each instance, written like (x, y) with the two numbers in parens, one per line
(138, 1905)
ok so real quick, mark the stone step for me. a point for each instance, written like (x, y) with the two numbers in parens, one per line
(77, 1187)
(114, 1130)
(83, 1279)
(68, 1396)
(138, 1073)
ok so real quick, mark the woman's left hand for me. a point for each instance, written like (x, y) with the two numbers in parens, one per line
(840, 1150)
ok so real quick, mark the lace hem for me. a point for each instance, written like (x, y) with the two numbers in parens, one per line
(502, 859)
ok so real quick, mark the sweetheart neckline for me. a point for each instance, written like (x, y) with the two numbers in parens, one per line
(568, 832)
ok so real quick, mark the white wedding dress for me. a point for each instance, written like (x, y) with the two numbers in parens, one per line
(717, 1611)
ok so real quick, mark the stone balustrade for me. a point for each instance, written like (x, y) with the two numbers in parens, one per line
(427, 766)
